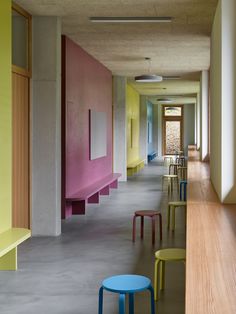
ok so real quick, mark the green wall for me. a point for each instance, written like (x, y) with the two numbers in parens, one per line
(5, 115)
(132, 116)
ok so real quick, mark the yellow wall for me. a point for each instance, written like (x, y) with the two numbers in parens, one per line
(5, 115)
(132, 120)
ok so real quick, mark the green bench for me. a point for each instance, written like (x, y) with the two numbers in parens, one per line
(135, 166)
(9, 240)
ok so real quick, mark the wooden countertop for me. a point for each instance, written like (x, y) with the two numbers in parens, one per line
(211, 245)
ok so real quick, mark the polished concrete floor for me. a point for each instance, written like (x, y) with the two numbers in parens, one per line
(63, 274)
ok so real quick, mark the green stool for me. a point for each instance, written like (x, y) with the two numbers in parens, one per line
(162, 256)
(171, 212)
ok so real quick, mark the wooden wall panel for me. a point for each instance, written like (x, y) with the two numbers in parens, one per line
(20, 158)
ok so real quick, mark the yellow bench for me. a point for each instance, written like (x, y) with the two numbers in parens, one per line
(135, 166)
(9, 240)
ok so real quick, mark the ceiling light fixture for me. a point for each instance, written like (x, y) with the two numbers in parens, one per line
(148, 78)
(128, 19)
(165, 100)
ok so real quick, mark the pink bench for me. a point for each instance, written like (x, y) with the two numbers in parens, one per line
(76, 203)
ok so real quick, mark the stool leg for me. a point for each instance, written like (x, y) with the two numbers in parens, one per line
(100, 306)
(142, 224)
(122, 303)
(173, 218)
(162, 275)
(160, 225)
(153, 230)
(185, 188)
(150, 288)
(131, 303)
(134, 228)
(180, 191)
(168, 217)
(156, 279)
(162, 183)
(171, 184)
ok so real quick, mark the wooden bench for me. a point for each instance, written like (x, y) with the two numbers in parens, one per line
(76, 203)
(135, 166)
(9, 240)
(151, 156)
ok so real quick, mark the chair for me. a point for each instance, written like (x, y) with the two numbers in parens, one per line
(162, 256)
(171, 212)
(126, 285)
(147, 213)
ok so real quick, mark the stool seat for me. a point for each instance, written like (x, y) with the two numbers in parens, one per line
(177, 203)
(126, 286)
(126, 283)
(171, 254)
(149, 213)
(170, 176)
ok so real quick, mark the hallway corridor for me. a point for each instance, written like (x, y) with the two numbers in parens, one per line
(62, 275)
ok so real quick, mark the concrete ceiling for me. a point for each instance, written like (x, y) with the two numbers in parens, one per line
(178, 48)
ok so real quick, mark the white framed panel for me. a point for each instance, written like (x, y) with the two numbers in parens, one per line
(98, 134)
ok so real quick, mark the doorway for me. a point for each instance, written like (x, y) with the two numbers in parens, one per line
(172, 129)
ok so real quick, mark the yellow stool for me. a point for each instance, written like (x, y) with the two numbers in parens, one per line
(171, 212)
(171, 178)
(162, 256)
(168, 160)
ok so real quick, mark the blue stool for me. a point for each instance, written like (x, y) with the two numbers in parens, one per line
(126, 284)
(183, 185)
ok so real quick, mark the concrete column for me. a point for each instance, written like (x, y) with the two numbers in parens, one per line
(119, 127)
(204, 96)
(46, 126)
(143, 135)
(188, 127)
(223, 99)
(198, 122)
(157, 129)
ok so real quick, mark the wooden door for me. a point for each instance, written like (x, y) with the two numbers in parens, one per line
(20, 148)
(21, 73)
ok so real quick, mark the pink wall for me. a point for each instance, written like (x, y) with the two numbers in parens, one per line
(88, 85)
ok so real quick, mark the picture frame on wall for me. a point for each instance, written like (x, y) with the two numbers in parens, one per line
(97, 134)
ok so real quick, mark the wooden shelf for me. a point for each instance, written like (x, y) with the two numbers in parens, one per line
(211, 245)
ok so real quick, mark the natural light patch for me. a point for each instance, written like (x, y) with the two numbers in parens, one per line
(172, 137)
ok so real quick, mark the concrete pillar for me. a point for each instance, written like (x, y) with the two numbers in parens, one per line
(198, 122)
(157, 129)
(46, 126)
(143, 131)
(195, 122)
(204, 96)
(119, 127)
(223, 101)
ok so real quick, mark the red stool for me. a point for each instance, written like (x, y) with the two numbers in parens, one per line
(148, 213)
